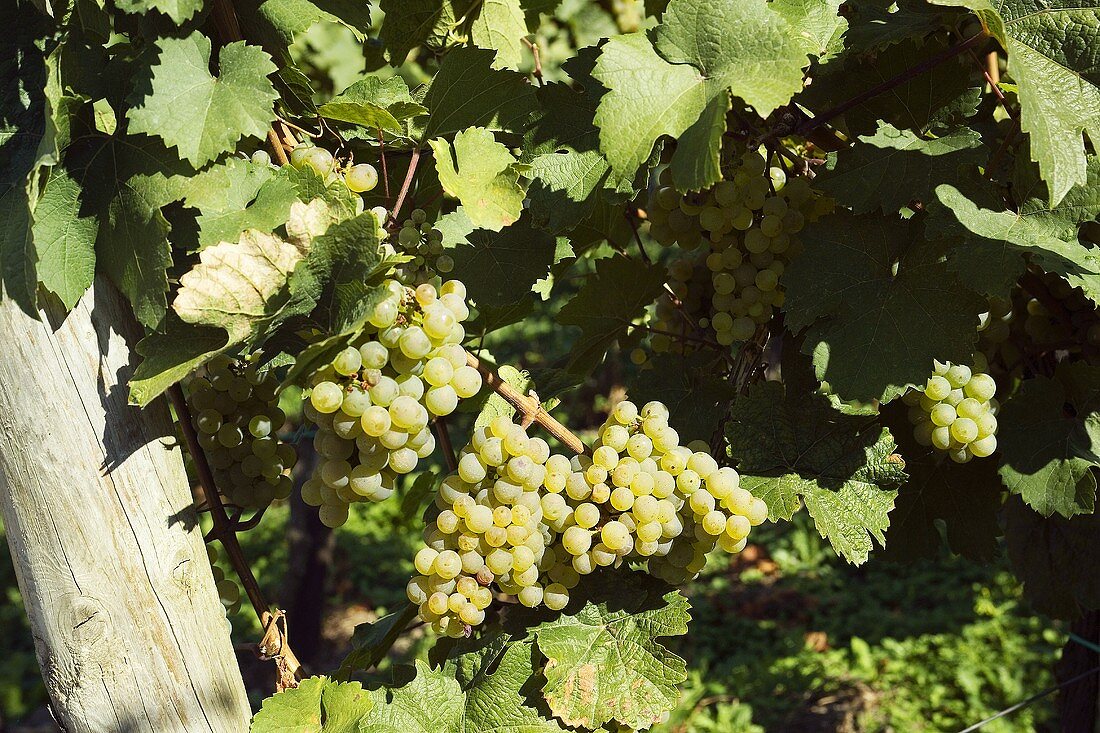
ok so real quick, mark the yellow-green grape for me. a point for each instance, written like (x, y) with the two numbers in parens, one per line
(361, 177)
(956, 412)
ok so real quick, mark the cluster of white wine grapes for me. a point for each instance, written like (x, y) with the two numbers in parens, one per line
(533, 523)
(735, 239)
(418, 239)
(956, 411)
(228, 590)
(358, 177)
(235, 411)
(373, 402)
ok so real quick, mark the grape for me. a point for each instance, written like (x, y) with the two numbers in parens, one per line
(361, 177)
(955, 411)
(326, 397)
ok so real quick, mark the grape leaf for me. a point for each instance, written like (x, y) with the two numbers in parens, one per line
(199, 114)
(743, 45)
(1052, 59)
(342, 273)
(170, 354)
(238, 286)
(468, 92)
(701, 49)
(993, 246)
(563, 186)
(316, 705)
(499, 268)
(792, 445)
(270, 208)
(500, 26)
(691, 387)
(1048, 437)
(603, 658)
(871, 331)
(937, 99)
(893, 167)
(816, 25)
(492, 702)
(1054, 557)
(695, 163)
(966, 498)
(483, 175)
(130, 180)
(178, 10)
(616, 294)
(411, 23)
(276, 23)
(374, 103)
(876, 24)
(64, 238)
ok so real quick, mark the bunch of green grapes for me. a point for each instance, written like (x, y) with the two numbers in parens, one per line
(534, 523)
(658, 501)
(235, 411)
(490, 530)
(739, 235)
(373, 402)
(418, 239)
(359, 177)
(956, 411)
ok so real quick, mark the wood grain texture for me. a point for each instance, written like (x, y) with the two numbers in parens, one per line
(128, 628)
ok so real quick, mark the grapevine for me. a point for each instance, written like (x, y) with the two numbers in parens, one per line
(663, 272)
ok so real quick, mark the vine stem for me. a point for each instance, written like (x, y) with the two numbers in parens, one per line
(413, 162)
(528, 406)
(443, 435)
(226, 533)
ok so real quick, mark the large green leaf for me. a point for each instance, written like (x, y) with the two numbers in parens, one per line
(701, 49)
(64, 238)
(239, 195)
(878, 303)
(892, 168)
(603, 658)
(316, 705)
(1050, 440)
(1052, 57)
(128, 180)
(200, 114)
(792, 445)
(468, 92)
(816, 25)
(500, 25)
(483, 175)
(610, 300)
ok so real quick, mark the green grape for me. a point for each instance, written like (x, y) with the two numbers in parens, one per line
(361, 177)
